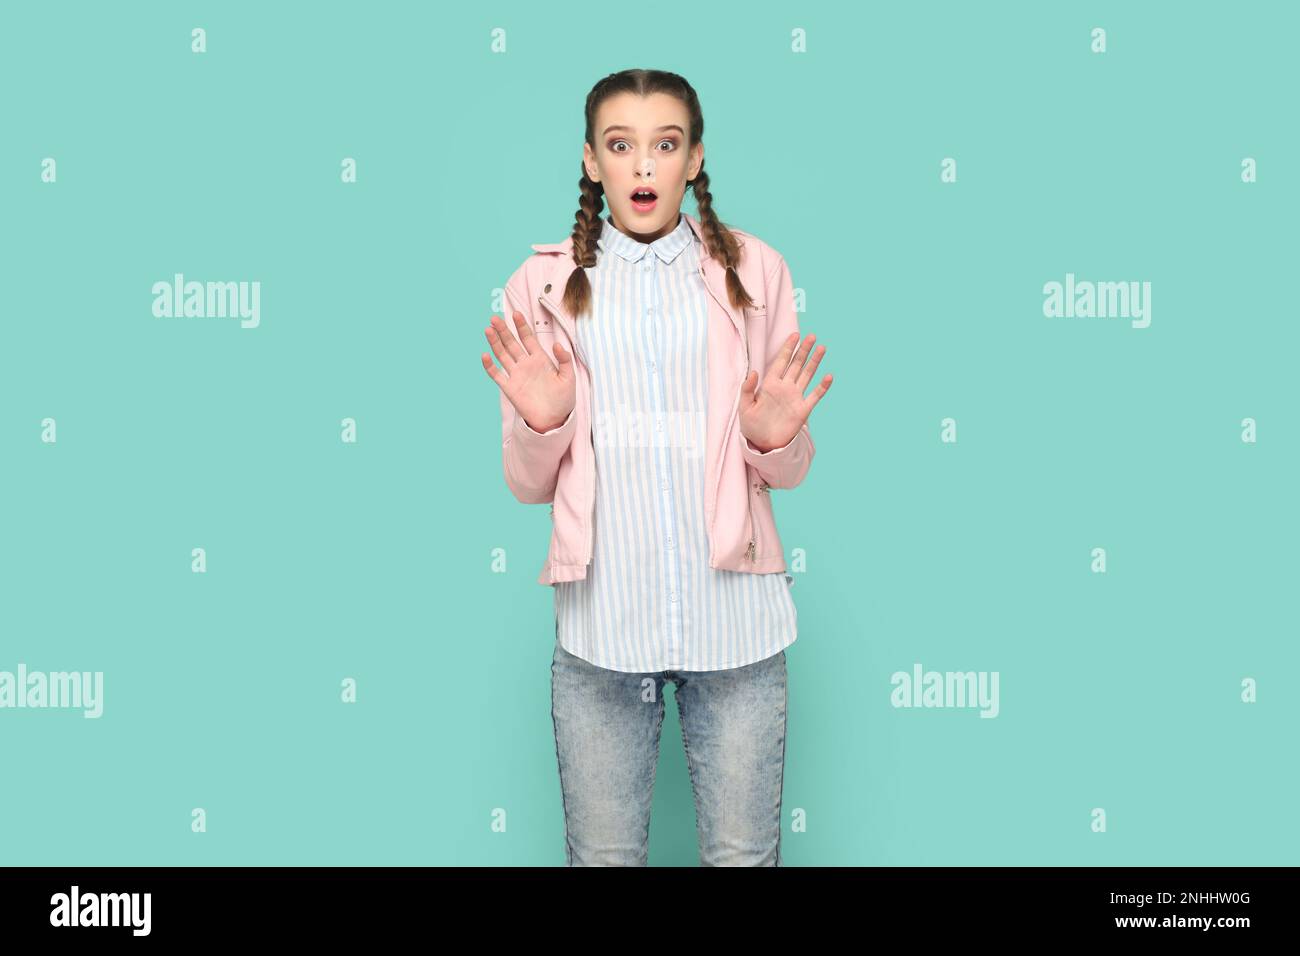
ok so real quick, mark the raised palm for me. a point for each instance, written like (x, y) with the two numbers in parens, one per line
(543, 392)
(775, 416)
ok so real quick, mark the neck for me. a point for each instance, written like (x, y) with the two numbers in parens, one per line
(647, 238)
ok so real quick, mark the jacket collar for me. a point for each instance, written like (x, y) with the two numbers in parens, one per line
(565, 248)
(715, 276)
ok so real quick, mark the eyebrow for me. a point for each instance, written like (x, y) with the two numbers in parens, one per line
(610, 129)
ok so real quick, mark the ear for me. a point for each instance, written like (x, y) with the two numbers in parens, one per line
(697, 161)
(589, 162)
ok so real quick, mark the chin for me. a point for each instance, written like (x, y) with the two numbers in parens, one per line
(655, 219)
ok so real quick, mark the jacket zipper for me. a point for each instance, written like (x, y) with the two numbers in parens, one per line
(752, 551)
(760, 488)
(591, 470)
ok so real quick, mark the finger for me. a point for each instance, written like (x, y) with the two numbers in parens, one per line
(810, 369)
(747, 388)
(494, 373)
(509, 344)
(497, 340)
(526, 336)
(563, 360)
(782, 358)
(506, 347)
(822, 388)
(797, 365)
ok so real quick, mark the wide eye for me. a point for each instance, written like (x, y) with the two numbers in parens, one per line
(670, 143)
(614, 146)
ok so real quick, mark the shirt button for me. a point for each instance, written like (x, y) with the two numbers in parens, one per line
(670, 541)
(660, 424)
(650, 310)
(672, 596)
(648, 267)
(653, 367)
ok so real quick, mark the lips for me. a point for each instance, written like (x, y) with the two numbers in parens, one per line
(644, 199)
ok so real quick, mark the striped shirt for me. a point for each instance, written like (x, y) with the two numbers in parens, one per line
(650, 601)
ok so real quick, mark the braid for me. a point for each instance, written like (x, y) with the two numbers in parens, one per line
(586, 230)
(722, 245)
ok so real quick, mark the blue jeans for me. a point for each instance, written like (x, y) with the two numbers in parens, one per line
(607, 742)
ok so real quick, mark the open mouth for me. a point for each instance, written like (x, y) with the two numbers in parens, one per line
(644, 198)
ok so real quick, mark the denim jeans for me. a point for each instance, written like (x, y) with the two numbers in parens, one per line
(607, 727)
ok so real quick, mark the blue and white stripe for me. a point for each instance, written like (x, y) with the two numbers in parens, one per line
(650, 601)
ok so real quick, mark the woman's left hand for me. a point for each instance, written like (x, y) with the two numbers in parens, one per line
(773, 418)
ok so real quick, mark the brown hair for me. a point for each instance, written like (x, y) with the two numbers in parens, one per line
(718, 240)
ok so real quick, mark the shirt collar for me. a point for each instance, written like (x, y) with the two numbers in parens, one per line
(665, 247)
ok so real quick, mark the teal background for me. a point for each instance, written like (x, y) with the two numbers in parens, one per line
(373, 560)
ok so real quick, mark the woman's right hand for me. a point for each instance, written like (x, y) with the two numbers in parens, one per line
(542, 392)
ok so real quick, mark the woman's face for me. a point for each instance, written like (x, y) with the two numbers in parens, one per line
(642, 144)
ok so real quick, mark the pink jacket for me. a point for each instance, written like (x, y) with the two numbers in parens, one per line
(559, 466)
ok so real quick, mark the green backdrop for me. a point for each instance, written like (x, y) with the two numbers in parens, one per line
(372, 560)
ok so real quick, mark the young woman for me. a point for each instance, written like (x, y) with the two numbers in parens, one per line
(631, 400)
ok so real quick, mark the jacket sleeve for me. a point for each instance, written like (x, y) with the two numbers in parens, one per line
(783, 467)
(530, 459)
